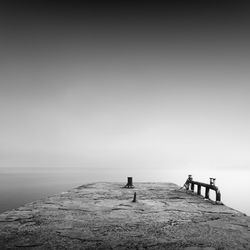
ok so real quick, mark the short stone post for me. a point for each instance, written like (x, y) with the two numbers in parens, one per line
(134, 200)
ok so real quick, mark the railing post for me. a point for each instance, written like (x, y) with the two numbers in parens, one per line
(207, 193)
(199, 190)
(188, 181)
(218, 196)
(212, 181)
(192, 187)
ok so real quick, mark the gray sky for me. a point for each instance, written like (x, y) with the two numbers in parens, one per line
(125, 86)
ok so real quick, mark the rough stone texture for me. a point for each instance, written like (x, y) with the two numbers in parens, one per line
(103, 216)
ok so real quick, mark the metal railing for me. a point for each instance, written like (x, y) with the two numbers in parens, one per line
(190, 183)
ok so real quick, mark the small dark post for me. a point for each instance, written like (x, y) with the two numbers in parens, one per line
(130, 183)
(199, 190)
(134, 200)
(190, 178)
(207, 193)
(192, 187)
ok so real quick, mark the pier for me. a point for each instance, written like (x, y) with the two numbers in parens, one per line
(109, 216)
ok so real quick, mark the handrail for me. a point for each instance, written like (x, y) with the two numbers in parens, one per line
(189, 184)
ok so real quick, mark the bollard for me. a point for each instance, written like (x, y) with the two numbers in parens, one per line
(134, 200)
(130, 183)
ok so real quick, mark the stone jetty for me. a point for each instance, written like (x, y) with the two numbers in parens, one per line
(108, 216)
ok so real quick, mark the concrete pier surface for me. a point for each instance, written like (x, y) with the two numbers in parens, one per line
(103, 216)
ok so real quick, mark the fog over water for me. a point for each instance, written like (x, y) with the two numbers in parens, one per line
(99, 92)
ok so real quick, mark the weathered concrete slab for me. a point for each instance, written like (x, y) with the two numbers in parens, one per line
(103, 216)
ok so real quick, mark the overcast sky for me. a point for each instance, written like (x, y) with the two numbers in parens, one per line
(112, 85)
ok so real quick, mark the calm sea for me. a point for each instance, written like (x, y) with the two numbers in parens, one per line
(22, 185)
